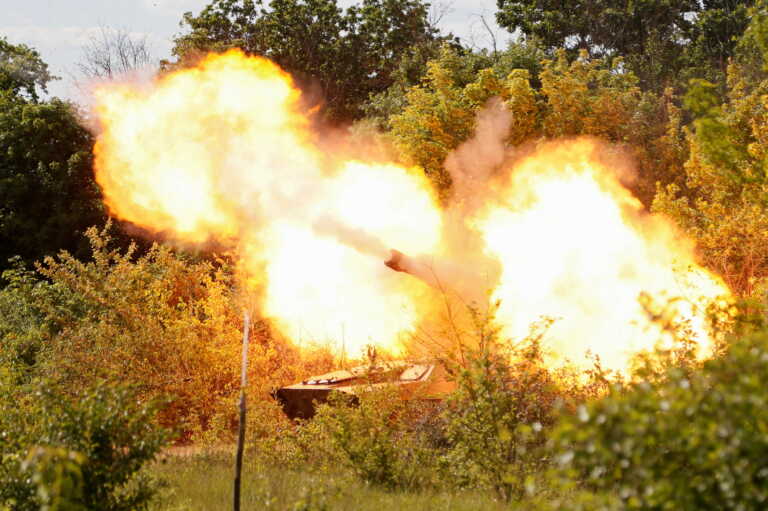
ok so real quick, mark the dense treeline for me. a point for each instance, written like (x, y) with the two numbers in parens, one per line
(47, 191)
(107, 350)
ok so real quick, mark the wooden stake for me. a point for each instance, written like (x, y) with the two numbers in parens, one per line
(241, 423)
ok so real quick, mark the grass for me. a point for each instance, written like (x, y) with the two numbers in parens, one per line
(204, 482)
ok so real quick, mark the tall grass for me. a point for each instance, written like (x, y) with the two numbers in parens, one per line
(204, 482)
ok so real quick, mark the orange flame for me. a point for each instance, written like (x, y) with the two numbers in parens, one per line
(223, 151)
(576, 247)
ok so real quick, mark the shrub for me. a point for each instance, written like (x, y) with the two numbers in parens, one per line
(497, 418)
(83, 451)
(57, 475)
(376, 436)
(692, 441)
(163, 321)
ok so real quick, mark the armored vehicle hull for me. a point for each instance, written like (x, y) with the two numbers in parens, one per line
(424, 381)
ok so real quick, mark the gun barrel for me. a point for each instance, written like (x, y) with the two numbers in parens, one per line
(441, 274)
(419, 267)
(396, 261)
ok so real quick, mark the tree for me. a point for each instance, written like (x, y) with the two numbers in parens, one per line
(657, 38)
(440, 113)
(47, 193)
(602, 27)
(722, 203)
(413, 71)
(569, 97)
(349, 54)
(722, 206)
(112, 53)
(715, 35)
(22, 71)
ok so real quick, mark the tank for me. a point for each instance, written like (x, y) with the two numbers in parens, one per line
(415, 380)
(427, 381)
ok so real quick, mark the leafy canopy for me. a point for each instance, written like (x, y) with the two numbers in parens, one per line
(547, 98)
(22, 71)
(48, 196)
(47, 193)
(657, 38)
(349, 54)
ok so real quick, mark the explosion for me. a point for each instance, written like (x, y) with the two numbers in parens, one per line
(576, 247)
(224, 152)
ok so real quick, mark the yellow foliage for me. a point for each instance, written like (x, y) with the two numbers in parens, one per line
(169, 325)
(521, 99)
(724, 209)
(582, 97)
(440, 115)
(586, 97)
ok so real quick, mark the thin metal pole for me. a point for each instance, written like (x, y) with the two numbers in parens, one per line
(241, 423)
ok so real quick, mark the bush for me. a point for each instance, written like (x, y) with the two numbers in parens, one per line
(497, 419)
(692, 441)
(57, 475)
(165, 322)
(490, 433)
(376, 436)
(83, 451)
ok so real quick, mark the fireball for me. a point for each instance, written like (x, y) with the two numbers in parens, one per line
(576, 247)
(223, 151)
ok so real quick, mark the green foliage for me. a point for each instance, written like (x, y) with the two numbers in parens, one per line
(496, 420)
(717, 139)
(495, 424)
(489, 434)
(684, 437)
(661, 41)
(588, 97)
(413, 71)
(58, 477)
(692, 441)
(715, 38)
(567, 97)
(81, 450)
(47, 193)
(20, 329)
(440, 113)
(375, 435)
(22, 71)
(722, 207)
(349, 53)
